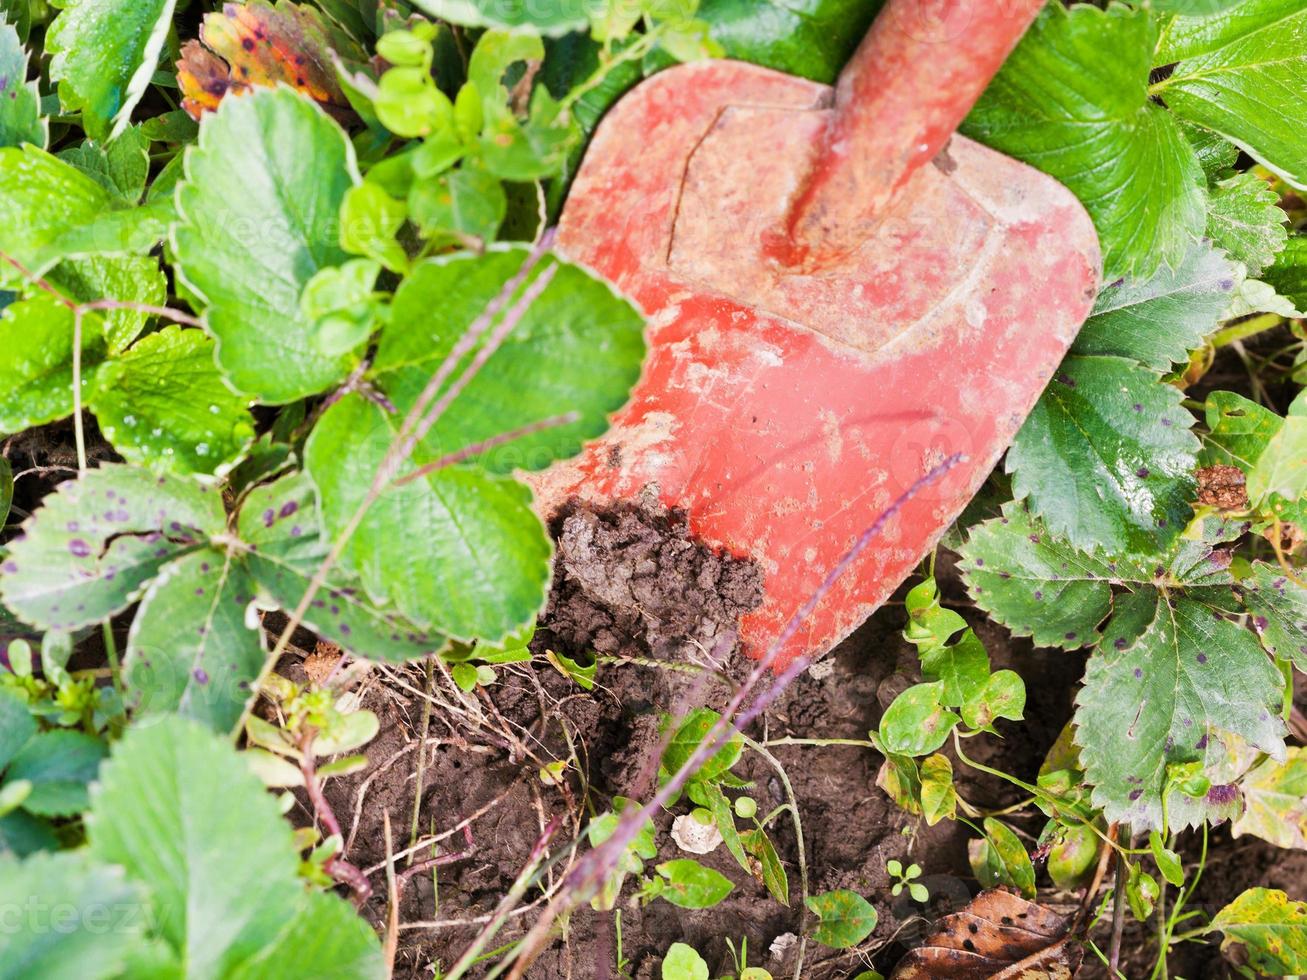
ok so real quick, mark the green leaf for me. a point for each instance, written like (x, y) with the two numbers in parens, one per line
(1107, 457)
(963, 668)
(459, 550)
(103, 907)
(279, 522)
(709, 794)
(1239, 430)
(369, 220)
(258, 216)
(1279, 608)
(1158, 321)
(126, 278)
(22, 834)
(20, 101)
(939, 798)
(194, 647)
(1168, 684)
(36, 361)
(459, 206)
(690, 885)
(845, 918)
(915, 723)
(164, 406)
(1282, 467)
(219, 861)
(1168, 861)
(683, 962)
(1004, 696)
(59, 764)
(810, 38)
(97, 541)
(757, 843)
(41, 199)
(1243, 73)
(1272, 929)
(1288, 273)
(576, 349)
(1275, 801)
(1216, 154)
(1004, 860)
(1195, 8)
(1244, 218)
(548, 17)
(16, 725)
(105, 53)
(1065, 107)
(689, 734)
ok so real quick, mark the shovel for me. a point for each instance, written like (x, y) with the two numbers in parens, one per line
(841, 293)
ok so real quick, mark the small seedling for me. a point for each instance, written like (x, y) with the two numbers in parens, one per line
(904, 879)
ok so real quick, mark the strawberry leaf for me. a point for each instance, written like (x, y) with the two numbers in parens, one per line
(36, 361)
(459, 550)
(1288, 273)
(258, 219)
(1170, 683)
(1244, 217)
(1243, 74)
(280, 524)
(1072, 100)
(550, 18)
(1158, 321)
(41, 199)
(194, 649)
(99, 540)
(1271, 928)
(20, 101)
(1275, 801)
(105, 53)
(164, 406)
(1279, 608)
(1106, 457)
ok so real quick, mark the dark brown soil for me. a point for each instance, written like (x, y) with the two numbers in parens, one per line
(484, 755)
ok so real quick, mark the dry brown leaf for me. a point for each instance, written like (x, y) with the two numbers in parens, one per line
(998, 936)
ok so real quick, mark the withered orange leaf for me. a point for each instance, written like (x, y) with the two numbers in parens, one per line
(998, 936)
(259, 44)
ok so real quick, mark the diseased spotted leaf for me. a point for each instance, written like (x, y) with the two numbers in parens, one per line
(688, 884)
(1158, 321)
(1279, 612)
(576, 349)
(95, 543)
(1239, 430)
(1170, 683)
(258, 44)
(194, 649)
(36, 361)
(1107, 457)
(1061, 106)
(20, 100)
(1271, 928)
(105, 53)
(1243, 73)
(280, 524)
(1245, 219)
(257, 220)
(459, 551)
(164, 406)
(916, 723)
(999, 858)
(844, 918)
(1275, 801)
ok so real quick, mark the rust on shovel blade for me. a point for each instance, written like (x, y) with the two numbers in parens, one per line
(784, 406)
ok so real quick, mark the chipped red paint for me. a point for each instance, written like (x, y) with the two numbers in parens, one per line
(784, 409)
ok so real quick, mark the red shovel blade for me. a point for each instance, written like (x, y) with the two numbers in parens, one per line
(785, 409)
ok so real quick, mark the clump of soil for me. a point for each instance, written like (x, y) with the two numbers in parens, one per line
(630, 580)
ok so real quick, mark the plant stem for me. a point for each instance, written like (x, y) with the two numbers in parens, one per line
(1245, 329)
(111, 651)
(1118, 918)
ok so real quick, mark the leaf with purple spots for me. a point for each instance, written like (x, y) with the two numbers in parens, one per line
(1171, 684)
(95, 544)
(1275, 801)
(1158, 321)
(280, 523)
(195, 648)
(1279, 612)
(1107, 458)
